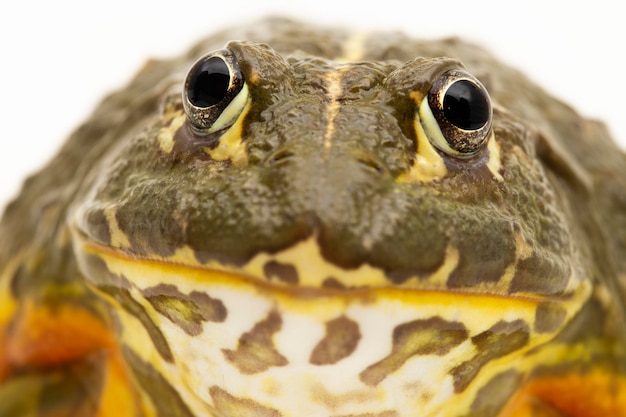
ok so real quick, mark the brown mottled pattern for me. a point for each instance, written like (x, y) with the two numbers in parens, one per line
(283, 272)
(333, 283)
(483, 261)
(166, 400)
(98, 274)
(118, 287)
(229, 405)
(493, 396)
(136, 310)
(434, 336)
(341, 339)
(186, 311)
(500, 340)
(549, 317)
(255, 351)
(101, 228)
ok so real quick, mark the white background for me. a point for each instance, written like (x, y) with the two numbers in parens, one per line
(58, 58)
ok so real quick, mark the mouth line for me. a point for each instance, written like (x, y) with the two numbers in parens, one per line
(162, 270)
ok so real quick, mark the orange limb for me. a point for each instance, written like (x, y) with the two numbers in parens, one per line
(599, 392)
(44, 338)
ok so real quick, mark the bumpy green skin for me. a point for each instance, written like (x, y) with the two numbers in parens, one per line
(292, 188)
(563, 188)
(232, 213)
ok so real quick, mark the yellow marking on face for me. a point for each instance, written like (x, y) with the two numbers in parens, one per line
(471, 309)
(333, 90)
(440, 277)
(146, 273)
(522, 251)
(313, 269)
(118, 238)
(495, 162)
(165, 137)
(428, 164)
(305, 256)
(354, 47)
(231, 146)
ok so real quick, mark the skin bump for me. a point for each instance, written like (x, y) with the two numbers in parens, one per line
(433, 336)
(256, 351)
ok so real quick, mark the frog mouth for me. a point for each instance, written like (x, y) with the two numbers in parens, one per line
(117, 275)
(267, 277)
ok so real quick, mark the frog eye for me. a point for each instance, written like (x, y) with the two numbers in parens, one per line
(457, 113)
(215, 92)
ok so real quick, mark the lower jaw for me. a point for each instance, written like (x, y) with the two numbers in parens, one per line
(228, 343)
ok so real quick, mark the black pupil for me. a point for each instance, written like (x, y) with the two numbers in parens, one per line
(210, 83)
(465, 105)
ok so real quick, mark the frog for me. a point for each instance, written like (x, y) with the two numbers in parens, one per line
(293, 220)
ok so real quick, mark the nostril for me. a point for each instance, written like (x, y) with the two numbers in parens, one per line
(279, 157)
(371, 164)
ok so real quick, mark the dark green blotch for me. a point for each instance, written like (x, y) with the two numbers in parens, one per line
(98, 226)
(135, 309)
(501, 339)
(118, 287)
(540, 275)
(148, 218)
(484, 256)
(433, 336)
(495, 394)
(549, 317)
(98, 274)
(186, 311)
(165, 398)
